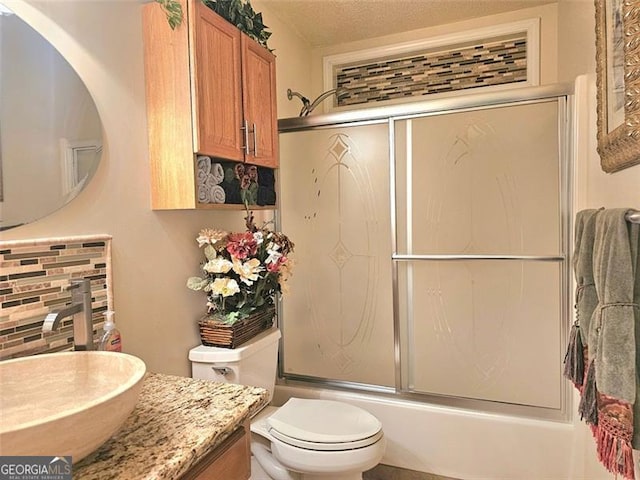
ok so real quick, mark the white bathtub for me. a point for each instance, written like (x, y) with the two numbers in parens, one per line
(471, 445)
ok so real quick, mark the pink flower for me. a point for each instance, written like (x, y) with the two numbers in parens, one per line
(242, 245)
(253, 173)
(239, 171)
(273, 267)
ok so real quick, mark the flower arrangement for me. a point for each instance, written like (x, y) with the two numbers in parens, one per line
(243, 272)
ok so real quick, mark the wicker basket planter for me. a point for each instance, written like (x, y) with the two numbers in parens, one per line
(217, 334)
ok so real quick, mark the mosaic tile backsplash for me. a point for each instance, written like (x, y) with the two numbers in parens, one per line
(493, 62)
(34, 276)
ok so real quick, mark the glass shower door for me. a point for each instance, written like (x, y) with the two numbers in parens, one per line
(338, 316)
(480, 254)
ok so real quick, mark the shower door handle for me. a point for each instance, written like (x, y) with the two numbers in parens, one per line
(245, 128)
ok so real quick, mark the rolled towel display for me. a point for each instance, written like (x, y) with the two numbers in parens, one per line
(204, 164)
(218, 173)
(202, 178)
(216, 194)
(203, 194)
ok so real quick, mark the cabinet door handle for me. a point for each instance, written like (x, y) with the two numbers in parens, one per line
(255, 141)
(245, 127)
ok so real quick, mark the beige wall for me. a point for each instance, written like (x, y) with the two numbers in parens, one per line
(153, 252)
(293, 64)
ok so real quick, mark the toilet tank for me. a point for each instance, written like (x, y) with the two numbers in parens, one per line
(252, 363)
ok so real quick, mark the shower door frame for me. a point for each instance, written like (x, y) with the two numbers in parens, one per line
(563, 95)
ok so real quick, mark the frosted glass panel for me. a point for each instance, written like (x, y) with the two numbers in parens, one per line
(484, 329)
(337, 317)
(480, 182)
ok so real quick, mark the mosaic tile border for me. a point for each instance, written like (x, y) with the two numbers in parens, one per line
(34, 275)
(492, 62)
(493, 57)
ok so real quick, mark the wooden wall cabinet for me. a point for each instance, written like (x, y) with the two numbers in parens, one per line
(210, 90)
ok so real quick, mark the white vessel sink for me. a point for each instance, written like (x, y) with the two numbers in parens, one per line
(67, 403)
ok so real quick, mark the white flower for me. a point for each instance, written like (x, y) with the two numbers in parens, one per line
(274, 255)
(226, 287)
(209, 236)
(217, 265)
(258, 237)
(248, 271)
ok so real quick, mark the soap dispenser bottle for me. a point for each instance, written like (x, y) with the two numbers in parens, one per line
(110, 341)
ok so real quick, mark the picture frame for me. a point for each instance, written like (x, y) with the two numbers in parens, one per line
(618, 83)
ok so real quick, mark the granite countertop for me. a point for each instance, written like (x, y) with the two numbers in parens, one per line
(175, 423)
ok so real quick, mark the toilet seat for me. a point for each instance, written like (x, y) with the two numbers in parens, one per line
(323, 446)
(324, 425)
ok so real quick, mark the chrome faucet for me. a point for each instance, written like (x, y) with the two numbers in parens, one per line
(80, 309)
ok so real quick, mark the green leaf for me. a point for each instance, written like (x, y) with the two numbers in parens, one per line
(231, 318)
(173, 10)
(210, 252)
(241, 14)
(197, 283)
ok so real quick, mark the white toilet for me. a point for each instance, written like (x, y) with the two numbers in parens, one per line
(304, 439)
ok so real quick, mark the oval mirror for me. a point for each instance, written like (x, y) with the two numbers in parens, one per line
(50, 131)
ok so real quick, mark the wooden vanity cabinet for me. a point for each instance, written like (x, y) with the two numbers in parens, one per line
(230, 460)
(210, 90)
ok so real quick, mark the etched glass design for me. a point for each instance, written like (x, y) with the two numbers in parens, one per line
(479, 184)
(486, 330)
(337, 317)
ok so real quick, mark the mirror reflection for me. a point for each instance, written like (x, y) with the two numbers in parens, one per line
(50, 131)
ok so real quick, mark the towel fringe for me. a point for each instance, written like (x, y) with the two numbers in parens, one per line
(574, 358)
(615, 453)
(588, 407)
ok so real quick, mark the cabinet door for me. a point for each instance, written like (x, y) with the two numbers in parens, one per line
(259, 103)
(218, 115)
(229, 461)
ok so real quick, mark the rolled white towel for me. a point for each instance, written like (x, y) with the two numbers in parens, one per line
(216, 194)
(204, 164)
(203, 194)
(218, 173)
(210, 181)
(202, 177)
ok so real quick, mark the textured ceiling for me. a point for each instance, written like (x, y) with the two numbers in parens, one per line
(331, 22)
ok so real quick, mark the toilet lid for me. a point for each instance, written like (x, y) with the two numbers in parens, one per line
(324, 421)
